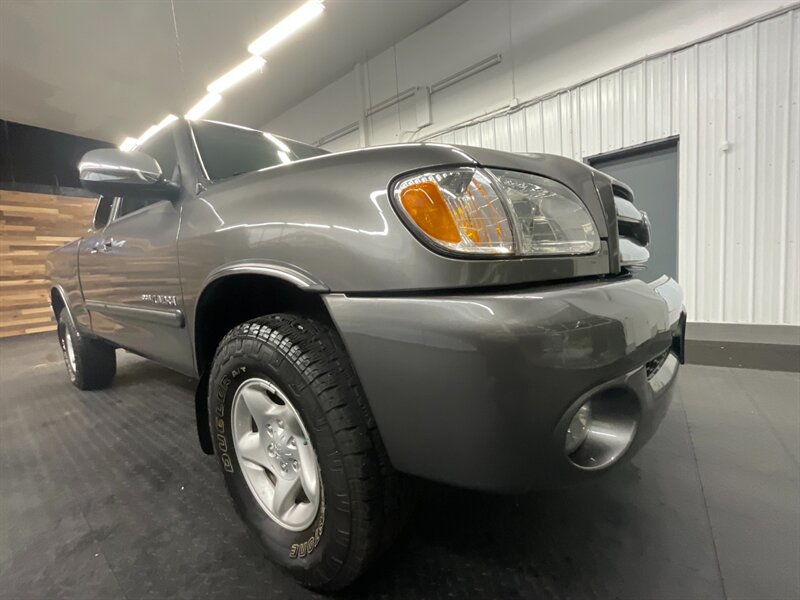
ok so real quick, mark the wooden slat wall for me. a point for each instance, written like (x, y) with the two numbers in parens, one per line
(31, 225)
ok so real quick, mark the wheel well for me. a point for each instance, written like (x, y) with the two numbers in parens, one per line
(234, 299)
(56, 301)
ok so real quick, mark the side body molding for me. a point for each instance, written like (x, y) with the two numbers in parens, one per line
(159, 316)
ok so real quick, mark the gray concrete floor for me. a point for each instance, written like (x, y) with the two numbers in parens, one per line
(107, 495)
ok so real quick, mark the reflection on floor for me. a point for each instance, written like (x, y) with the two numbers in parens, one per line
(107, 495)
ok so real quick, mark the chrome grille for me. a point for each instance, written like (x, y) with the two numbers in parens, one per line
(633, 228)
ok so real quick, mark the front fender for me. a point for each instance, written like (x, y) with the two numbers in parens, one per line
(331, 217)
(62, 271)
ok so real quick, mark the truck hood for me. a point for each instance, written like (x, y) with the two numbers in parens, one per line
(331, 217)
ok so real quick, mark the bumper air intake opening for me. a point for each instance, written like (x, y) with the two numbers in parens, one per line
(653, 366)
(602, 429)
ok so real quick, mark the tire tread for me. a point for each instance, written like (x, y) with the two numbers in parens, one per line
(316, 352)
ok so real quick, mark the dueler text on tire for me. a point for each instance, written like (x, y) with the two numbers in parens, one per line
(91, 363)
(299, 449)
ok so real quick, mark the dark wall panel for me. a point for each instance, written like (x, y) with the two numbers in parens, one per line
(36, 159)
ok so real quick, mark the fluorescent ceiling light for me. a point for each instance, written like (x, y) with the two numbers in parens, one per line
(278, 33)
(129, 144)
(156, 128)
(202, 107)
(148, 133)
(166, 121)
(236, 74)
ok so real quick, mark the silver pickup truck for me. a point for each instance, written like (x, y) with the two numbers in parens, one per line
(451, 313)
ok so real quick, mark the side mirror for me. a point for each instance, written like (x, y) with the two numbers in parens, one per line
(112, 172)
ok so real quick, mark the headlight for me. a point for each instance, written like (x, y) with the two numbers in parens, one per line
(549, 217)
(471, 211)
(458, 210)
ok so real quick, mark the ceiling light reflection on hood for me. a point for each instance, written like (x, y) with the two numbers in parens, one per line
(281, 146)
(286, 27)
(236, 74)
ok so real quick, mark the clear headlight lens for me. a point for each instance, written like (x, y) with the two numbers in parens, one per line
(469, 211)
(549, 217)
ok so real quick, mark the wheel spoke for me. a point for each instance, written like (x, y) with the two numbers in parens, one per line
(285, 494)
(259, 405)
(283, 413)
(275, 453)
(308, 469)
(292, 425)
(252, 450)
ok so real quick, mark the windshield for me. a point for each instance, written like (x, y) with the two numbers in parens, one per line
(227, 150)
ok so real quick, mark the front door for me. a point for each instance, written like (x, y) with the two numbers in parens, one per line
(130, 272)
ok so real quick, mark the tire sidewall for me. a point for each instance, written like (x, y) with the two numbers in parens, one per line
(302, 550)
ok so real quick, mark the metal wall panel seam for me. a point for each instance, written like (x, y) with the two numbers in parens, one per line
(754, 212)
(693, 107)
(793, 218)
(785, 183)
(702, 176)
(577, 138)
(723, 182)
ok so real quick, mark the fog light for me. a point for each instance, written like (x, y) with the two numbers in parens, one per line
(602, 429)
(579, 428)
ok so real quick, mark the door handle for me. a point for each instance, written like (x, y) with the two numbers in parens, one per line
(106, 245)
(103, 246)
(111, 243)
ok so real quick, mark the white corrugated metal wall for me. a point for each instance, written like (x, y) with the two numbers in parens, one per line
(734, 102)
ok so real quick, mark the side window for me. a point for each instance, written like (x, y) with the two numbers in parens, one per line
(102, 213)
(133, 203)
(162, 148)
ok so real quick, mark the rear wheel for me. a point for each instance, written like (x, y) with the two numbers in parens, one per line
(91, 363)
(299, 449)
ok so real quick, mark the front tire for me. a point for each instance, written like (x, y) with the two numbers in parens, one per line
(91, 363)
(299, 449)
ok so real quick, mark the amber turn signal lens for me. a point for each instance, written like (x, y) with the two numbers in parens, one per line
(424, 203)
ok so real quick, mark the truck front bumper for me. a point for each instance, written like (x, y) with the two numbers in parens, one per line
(478, 390)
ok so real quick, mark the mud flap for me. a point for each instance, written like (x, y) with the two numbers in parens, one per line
(201, 415)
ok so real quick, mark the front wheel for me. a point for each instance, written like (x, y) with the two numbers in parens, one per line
(299, 449)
